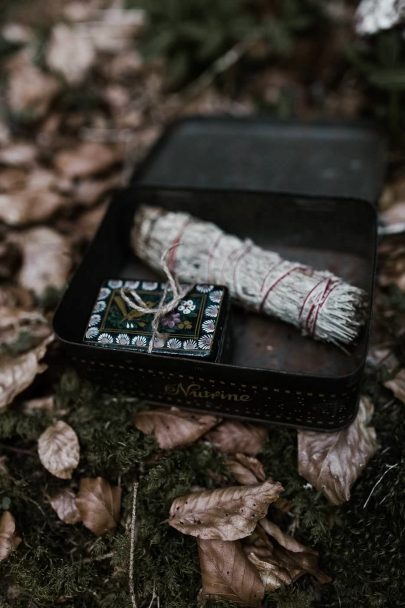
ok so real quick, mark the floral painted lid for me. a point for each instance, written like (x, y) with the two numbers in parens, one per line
(193, 328)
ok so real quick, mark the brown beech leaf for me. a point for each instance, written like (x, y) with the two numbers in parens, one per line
(17, 373)
(32, 200)
(14, 321)
(46, 259)
(18, 155)
(173, 428)
(99, 504)
(115, 29)
(332, 462)
(233, 437)
(88, 158)
(70, 52)
(41, 404)
(247, 470)
(223, 514)
(31, 91)
(88, 192)
(8, 537)
(64, 504)
(279, 558)
(227, 573)
(397, 385)
(59, 450)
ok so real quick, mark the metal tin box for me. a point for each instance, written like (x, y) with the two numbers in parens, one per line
(273, 375)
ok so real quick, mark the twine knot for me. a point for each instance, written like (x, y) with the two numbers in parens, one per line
(163, 309)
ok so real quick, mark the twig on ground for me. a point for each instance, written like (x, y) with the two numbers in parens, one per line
(132, 547)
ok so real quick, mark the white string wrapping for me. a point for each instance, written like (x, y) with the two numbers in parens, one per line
(317, 302)
(159, 312)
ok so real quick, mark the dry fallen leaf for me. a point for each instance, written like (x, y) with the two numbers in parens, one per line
(115, 30)
(16, 297)
(394, 214)
(233, 437)
(42, 404)
(46, 259)
(173, 428)
(3, 466)
(32, 200)
(247, 470)
(397, 385)
(8, 537)
(99, 504)
(227, 574)
(225, 513)
(59, 450)
(18, 155)
(86, 159)
(279, 558)
(64, 504)
(88, 192)
(17, 373)
(332, 462)
(14, 321)
(71, 52)
(31, 91)
(393, 266)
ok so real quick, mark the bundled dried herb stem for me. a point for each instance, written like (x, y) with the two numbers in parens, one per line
(317, 302)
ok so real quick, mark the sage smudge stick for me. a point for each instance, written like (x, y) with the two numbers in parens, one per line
(319, 303)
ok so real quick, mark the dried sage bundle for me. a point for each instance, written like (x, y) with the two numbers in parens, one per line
(320, 304)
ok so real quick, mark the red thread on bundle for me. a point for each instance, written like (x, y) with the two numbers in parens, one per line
(307, 298)
(171, 258)
(245, 249)
(330, 286)
(273, 285)
(211, 256)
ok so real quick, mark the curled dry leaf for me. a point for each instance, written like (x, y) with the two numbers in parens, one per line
(58, 449)
(397, 385)
(233, 437)
(70, 53)
(99, 504)
(247, 470)
(8, 536)
(225, 513)
(279, 558)
(86, 159)
(64, 504)
(17, 373)
(46, 259)
(173, 428)
(332, 462)
(227, 573)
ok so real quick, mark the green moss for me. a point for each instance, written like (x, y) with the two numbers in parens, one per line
(57, 563)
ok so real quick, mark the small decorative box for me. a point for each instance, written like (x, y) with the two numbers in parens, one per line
(195, 328)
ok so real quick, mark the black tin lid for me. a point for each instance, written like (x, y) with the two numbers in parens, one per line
(260, 153)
